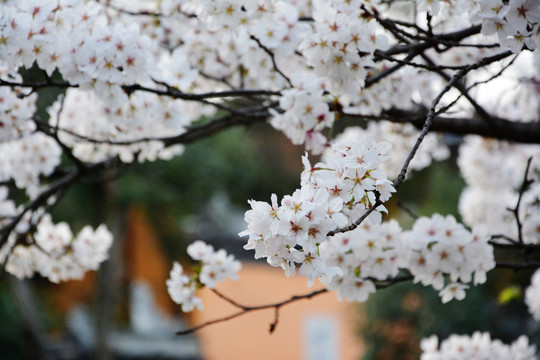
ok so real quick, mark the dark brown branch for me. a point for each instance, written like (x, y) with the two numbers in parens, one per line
(422, 46)
(54, 189)
(386, 72)
(387, 283)
(107, 4)
(475, 84)
(198, 132)
(191, 134)
(461, 88)
(494, 76)
(247, 309)
(524, 186)
(413, 49)
(517, 266)
(428, 67)
(425, 35)
(504, 129)
(38, 86)
(170, 91)
(512, 244)
(228, 299)
(277, 306)
(412, 153)
(39, 201)
(273, 325)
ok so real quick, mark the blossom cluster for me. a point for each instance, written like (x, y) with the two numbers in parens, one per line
(440, 247)
(370, 252)
(405, 89)
(402, 137)
(214, 266)
(112, 48)
(333, 193)
(434, 7)
(437, 251)
(247, 31)
(340, 48)
(68, 36)
(17, 107)
(494, 172)
(78, 40)
(25, 154)
(26, 159)
(306, 113)
(104, 130)
(274, 23)
(478, 346)
(516, 23)
(55, 253)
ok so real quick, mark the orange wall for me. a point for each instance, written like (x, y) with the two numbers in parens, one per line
(247, 337)
(144, 258)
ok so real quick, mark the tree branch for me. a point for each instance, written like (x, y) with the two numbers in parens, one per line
(524, 186)
(427, 124)
(272, 57)
(248, 309)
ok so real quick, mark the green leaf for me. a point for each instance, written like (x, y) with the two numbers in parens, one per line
(508, 294)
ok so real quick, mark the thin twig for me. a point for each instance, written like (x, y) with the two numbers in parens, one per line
(427, 124)
(247, 309)
(407, 210)
(272, 57)
(524, 186)
(228, 299)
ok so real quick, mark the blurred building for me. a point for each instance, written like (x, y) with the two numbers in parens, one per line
(321, 328)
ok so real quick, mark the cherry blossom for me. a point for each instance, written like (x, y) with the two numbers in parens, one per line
(141, 79)
(333, 193)
(369, 252)
(478, 346)
(215, 266)
(56, 253)
(439, 250)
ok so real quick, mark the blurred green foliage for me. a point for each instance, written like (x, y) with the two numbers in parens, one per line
(10, 331)
(243, 163)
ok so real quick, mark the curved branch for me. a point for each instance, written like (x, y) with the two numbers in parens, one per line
(272, 58)
(425, 129)
(503, 129)
(170, 91)
(276, 306)
(247, 309)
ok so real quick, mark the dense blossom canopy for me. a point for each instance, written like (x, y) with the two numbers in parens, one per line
(136, 75)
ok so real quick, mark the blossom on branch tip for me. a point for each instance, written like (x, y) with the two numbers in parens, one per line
(333, 193)
(57, 254)
(214, 266)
